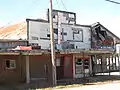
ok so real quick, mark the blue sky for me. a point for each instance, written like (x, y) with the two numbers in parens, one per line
(88, 11)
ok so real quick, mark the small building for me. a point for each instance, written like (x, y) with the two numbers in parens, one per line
(13, 36)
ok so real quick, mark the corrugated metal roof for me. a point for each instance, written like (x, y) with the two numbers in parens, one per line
(16, 31)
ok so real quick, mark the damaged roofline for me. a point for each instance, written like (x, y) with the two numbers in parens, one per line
(98, 23)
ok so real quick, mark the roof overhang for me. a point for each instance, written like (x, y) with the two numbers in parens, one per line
(45, 52)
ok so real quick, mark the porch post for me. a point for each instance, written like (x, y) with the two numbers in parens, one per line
(119, 63)
(95, 64)
(73, 67)
(115, 63)
(27, 70)
(109, 63)
(112, 63)
(90, 64)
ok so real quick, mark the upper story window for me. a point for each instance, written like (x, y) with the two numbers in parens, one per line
(34, 38)
(64, 33)
(77, 34)
(48, 35)
(55, 30)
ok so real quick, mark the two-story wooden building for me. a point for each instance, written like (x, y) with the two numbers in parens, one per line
(77, 47)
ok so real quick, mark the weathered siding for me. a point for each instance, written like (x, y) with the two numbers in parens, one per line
(13, 75)
(68, 66)
(37, 67)
(18, 75)
(39, 31)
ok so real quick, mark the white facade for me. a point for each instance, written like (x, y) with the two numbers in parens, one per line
(73, 37)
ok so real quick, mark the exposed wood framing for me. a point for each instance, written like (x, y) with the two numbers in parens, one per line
(119, 63)
(90, 66)
(109, 63)
(95, 67)
(112, 62)
(101, 64)
(115, 63)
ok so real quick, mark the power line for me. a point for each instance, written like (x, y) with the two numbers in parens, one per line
(64, 5)
(57, 2)
(113, 1)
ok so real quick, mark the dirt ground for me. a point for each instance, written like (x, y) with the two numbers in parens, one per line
(89, 81)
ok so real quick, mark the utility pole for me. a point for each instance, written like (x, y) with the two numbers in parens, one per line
(52, 45)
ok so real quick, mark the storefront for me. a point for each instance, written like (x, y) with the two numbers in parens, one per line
(81, 66)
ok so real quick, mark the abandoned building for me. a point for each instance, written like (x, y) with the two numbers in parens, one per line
(81, 50)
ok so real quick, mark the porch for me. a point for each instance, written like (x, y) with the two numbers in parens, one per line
(36, 66)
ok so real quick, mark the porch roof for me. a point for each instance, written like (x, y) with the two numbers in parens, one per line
(70, 51)
(89, 52)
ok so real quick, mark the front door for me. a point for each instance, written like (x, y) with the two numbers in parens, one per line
(60, 68)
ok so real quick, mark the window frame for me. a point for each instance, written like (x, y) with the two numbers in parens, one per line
(80, 66)
(10, 67)
(80, 30)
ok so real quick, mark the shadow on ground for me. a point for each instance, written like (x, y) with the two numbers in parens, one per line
(41, 85)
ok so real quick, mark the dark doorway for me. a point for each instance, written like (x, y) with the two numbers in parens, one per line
(60, 68)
